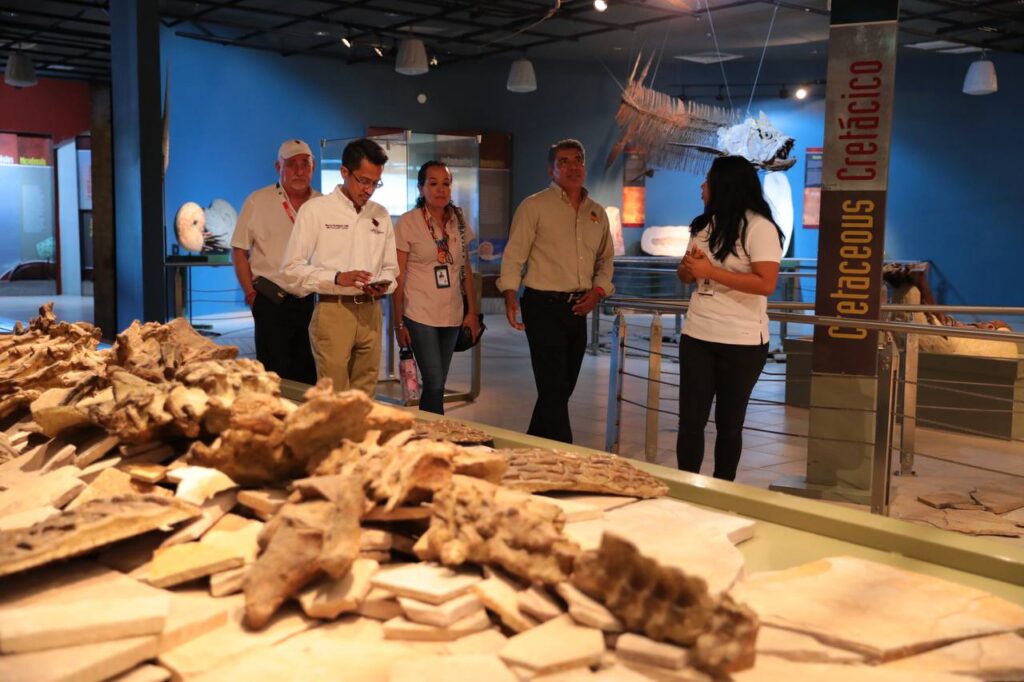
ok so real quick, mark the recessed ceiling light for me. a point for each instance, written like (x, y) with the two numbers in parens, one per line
(801, 93)
(710, 57)
(934, 45)
(600, 5)
(60, 67)
(321, 33)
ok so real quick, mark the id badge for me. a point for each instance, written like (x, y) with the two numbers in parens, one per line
(441, 277)
(704, 288)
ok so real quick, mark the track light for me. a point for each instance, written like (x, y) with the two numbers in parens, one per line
(600, 5)
(801, 93)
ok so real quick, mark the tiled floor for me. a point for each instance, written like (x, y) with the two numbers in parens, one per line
(508, 393)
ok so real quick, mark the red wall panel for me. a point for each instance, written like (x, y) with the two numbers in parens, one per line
(53, 107)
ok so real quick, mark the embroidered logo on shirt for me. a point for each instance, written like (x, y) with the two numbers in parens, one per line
(593, 217)
(335, 226)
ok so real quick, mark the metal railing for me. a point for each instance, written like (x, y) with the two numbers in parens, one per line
(896, 394)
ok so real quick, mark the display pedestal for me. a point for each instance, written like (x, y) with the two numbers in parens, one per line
(841, 440)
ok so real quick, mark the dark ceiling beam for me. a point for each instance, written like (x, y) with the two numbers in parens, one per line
(974, 26)
(212, 7)
(321, 16)
(981, 8)
(79, 19)
(45, 40)
(43, 28)
(265, 48)
(52, 57)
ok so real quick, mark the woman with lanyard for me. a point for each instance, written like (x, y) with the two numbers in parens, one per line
(734, 254)
(431, 241)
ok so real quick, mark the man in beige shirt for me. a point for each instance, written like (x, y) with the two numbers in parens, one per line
(281, 316)
(560, 248)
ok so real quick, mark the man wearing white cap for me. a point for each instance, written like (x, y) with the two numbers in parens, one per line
(258, 245)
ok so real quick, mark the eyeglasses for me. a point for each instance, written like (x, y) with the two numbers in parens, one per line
(366, 182)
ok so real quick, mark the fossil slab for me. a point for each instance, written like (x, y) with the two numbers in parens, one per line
(694, 540)
(491, 525)
(879, 611)
(556, 645)
(666, 604)
(453, 432)
(538, 470)
(96, 524)
(999, 657)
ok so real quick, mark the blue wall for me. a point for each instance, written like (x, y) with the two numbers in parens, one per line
(954, 167)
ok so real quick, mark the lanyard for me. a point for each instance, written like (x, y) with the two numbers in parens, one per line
(286, 204)
(444, 254)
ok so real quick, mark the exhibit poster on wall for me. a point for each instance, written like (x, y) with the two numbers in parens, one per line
(812, 187)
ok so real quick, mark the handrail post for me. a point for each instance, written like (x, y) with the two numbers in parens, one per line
(653, 390)
(613, 425)
(595, 330)
(885, 401)
(908, 428)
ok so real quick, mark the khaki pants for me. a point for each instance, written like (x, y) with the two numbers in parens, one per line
(346, 344)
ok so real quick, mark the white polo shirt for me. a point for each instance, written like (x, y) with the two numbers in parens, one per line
(727, 315)
(263, 229)
(330, 236)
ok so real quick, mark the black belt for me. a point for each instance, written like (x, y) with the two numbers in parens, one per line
(343, 298)
(556, 296)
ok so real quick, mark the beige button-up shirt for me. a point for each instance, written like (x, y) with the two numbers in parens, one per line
(563, 249)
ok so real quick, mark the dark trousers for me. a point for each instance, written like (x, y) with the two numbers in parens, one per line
(282, 337)
(433, 348)
(727, 373)
(558, 340)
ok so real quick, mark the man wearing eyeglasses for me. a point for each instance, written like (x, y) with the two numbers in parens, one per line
(343, 250)
(560, 248)
(261, 235)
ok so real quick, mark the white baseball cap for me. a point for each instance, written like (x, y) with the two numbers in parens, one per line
(290, 148)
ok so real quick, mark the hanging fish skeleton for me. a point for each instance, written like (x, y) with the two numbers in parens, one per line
(685, 135)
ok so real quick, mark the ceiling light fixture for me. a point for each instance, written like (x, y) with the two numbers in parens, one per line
(981, 77)
(20, 72)
(801, 93)
(521, 77)
(378, 50)
(433, 61)
(346, 42)
(600, 5)
(412, 57)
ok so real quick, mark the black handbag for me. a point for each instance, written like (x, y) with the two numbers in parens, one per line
(466, 340)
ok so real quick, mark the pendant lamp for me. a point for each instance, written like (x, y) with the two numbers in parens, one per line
(20, 72)
(412, 58)
(981, 78)
(521, 77)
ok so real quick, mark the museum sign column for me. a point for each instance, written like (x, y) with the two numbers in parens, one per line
(855, 179)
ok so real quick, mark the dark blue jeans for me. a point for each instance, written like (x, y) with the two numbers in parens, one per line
(433, 348)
